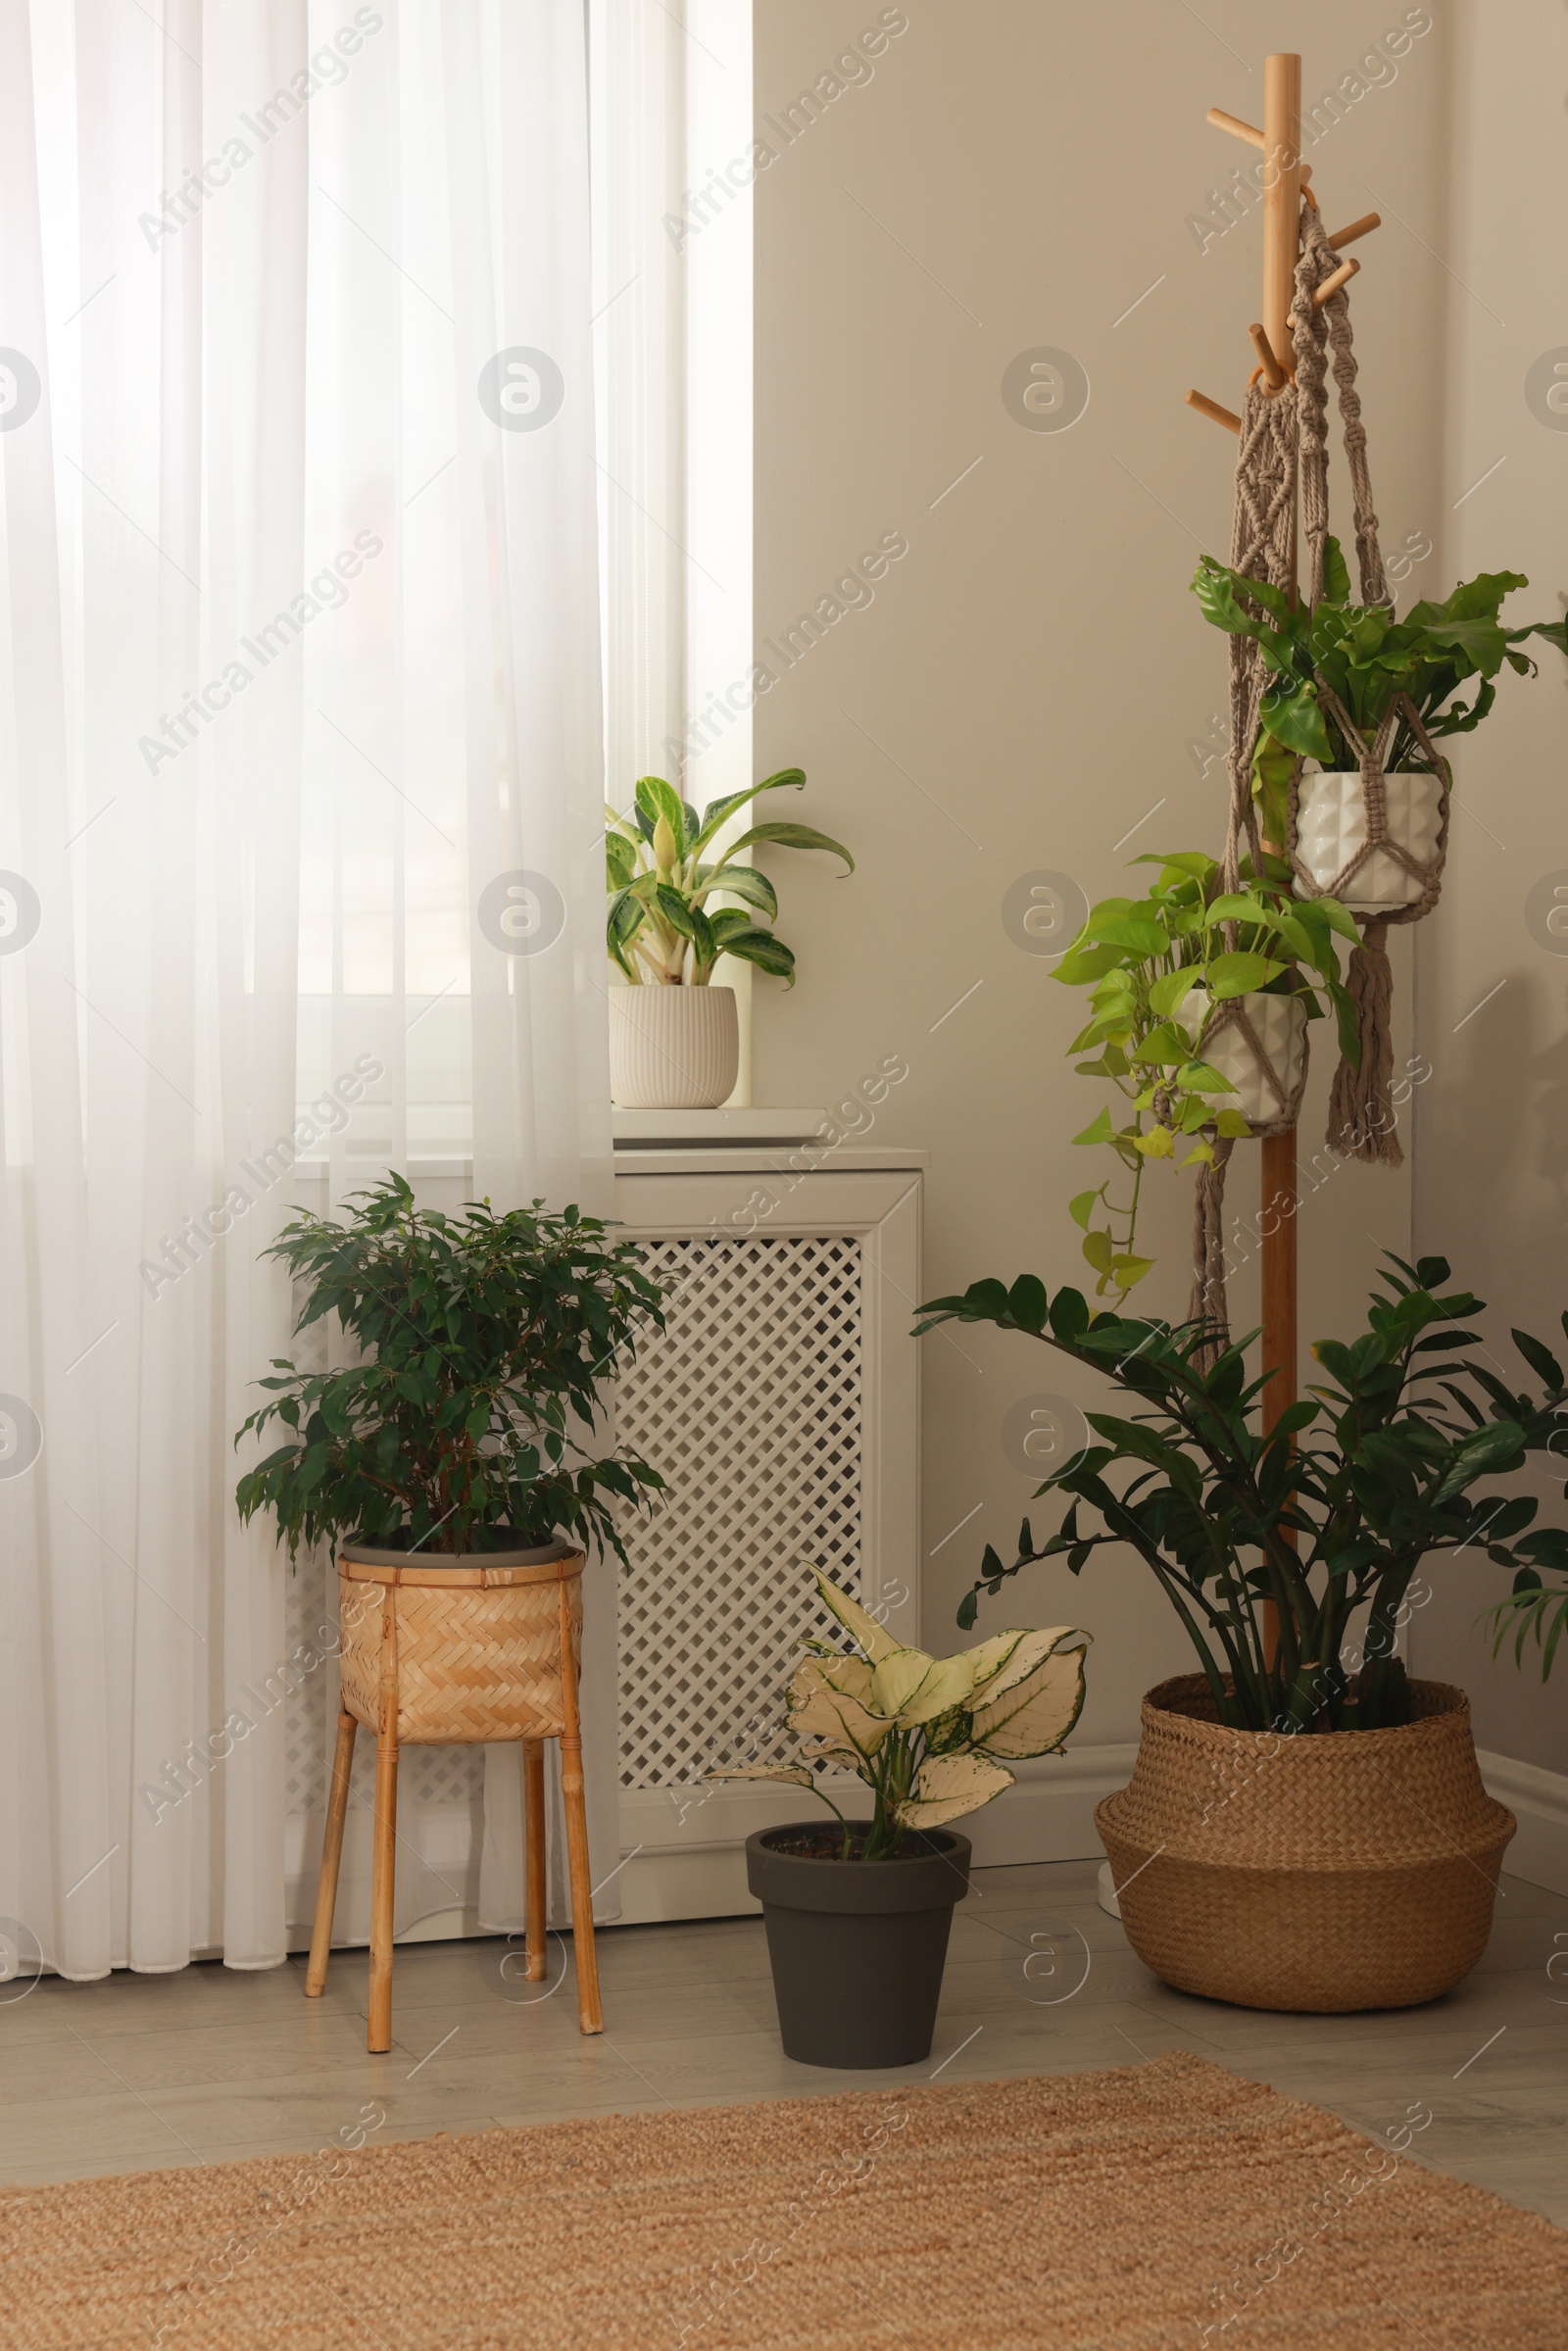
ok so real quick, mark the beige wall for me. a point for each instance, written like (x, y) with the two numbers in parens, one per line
(1492, 1133)
(1031, 677)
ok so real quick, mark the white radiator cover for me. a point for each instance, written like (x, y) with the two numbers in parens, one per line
(783, 1405)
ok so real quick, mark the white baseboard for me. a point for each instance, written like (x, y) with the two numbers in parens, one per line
(1539, 1801)
(688, 1860)
(1050, 1816)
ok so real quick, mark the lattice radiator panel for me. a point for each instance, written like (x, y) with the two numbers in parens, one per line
(752, 1407)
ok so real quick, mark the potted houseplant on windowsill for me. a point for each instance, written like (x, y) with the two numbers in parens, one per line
(857, 1914)
(674, 1040)
(1297, 1833)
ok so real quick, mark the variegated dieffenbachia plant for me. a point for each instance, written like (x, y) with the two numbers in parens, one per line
(931, 1737)
(664, 868)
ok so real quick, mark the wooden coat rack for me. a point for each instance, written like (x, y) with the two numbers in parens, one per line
(1285, 181)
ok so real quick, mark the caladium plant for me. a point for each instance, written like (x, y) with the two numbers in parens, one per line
(1158, 966)
(931, 1737)
(663, 867)
(1367, 656)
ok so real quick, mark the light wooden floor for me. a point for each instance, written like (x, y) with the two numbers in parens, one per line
(139, 2072)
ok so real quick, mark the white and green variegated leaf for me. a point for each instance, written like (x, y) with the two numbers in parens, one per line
(989, 1657)
(950, 1785)
(865, 1630)
(794, 1774)
(850, 1677)
(948, 1683)
(1029, 1649)
(818, 1710)
(1032, 1717)
(898, 1677)
(949, 1733)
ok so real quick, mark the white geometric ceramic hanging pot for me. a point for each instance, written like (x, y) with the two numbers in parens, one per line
(1260, 1042)
(1331, 835)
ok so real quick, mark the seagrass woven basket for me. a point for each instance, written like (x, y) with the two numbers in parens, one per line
(1331, 1871)
(474, 1651)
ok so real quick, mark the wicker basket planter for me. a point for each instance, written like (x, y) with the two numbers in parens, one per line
(1330, 1873)
(673, 1048)
(478, 1647)
(487, 1648)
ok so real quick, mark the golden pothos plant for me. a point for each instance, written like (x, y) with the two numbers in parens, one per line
(1157, 967)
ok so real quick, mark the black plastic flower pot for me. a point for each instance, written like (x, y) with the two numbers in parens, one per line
(857, 1947)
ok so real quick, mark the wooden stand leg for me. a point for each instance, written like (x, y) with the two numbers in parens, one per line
(533, 1798)
(337, 1804)
(590, 2015)
(382, 1871)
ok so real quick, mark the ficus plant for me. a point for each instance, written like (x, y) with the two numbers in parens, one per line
(1328, 1514)
(1156, 967)
(931, 1737)
(665, 869)
(482, 1341)
(1367, 656)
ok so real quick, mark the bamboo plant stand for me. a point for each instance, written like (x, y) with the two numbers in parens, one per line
(452, 1657)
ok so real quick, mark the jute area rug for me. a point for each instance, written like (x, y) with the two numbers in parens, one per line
(1170, 2203)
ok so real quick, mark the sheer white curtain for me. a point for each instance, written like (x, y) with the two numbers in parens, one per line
(300, 776)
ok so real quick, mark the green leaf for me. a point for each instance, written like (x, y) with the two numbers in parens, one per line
(1126, 1270)
(1141, 934)
(1336, 573)
(1070, 1316)
(761, 948)
(1499, 1446)
(1240, 974)
(656, 798)
(1027, 1302)
(1170, 990)
(1099, 1250)
(788, 836)
(746, 882)
(1292, 716)
(1082, 1207)
(1220, 591)
(1100, 1130)
(1541, 1361)
(787, 779)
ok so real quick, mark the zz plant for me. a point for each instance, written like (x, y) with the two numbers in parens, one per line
(931, 1737)
(663, 868)
(481, 1340)
(1157, 966)
(1329, 1514)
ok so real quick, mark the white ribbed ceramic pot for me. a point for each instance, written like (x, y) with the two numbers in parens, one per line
(1278, 1023)
(672, 1049)
(1330, 827)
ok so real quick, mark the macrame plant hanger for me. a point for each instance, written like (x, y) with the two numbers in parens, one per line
(1361, 1122)
(1275, 430)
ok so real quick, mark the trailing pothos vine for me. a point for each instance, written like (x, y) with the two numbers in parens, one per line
(1156, 967)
